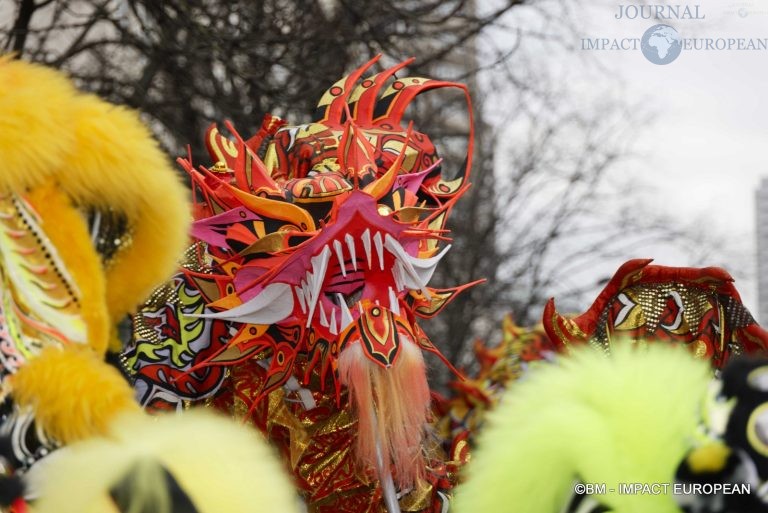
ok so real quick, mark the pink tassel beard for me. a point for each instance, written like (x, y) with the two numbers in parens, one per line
(392, 407)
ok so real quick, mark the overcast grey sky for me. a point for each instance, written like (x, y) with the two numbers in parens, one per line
(709, 145)
(706, 147)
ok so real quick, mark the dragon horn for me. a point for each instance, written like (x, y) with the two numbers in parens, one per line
(367, 93)
(330, 108)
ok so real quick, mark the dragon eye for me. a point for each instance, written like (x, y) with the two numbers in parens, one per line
(350, 299)
(110, 232)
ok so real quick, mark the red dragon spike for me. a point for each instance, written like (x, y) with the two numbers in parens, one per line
(250, 172)
(335, 98)
(367, 93)
(356, 154)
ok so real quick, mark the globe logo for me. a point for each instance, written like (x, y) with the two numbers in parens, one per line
(661, 44)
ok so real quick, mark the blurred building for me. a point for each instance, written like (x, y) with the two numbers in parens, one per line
(761, 207)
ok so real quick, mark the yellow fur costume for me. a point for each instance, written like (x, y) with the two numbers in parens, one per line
(73, 393)
(92, 218)
(78, 152)
(627, 418)
(221, 466)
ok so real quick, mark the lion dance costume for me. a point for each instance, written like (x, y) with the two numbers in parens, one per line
(92, 218)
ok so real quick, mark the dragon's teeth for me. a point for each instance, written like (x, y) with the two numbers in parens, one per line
(333, 328)
(300, 296)
(340, 256)
(379, 249)
(394, 306)
(409, 276)
(315, 279)
(351, 247)
(367, 245)
(305, 291)
(323, 318)
(346, 315)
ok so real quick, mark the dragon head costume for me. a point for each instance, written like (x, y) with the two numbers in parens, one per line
(92, 217)
(318, 245)
(327, 246)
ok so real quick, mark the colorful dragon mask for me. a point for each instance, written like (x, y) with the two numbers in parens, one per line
(320, 241)
(92, 216)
